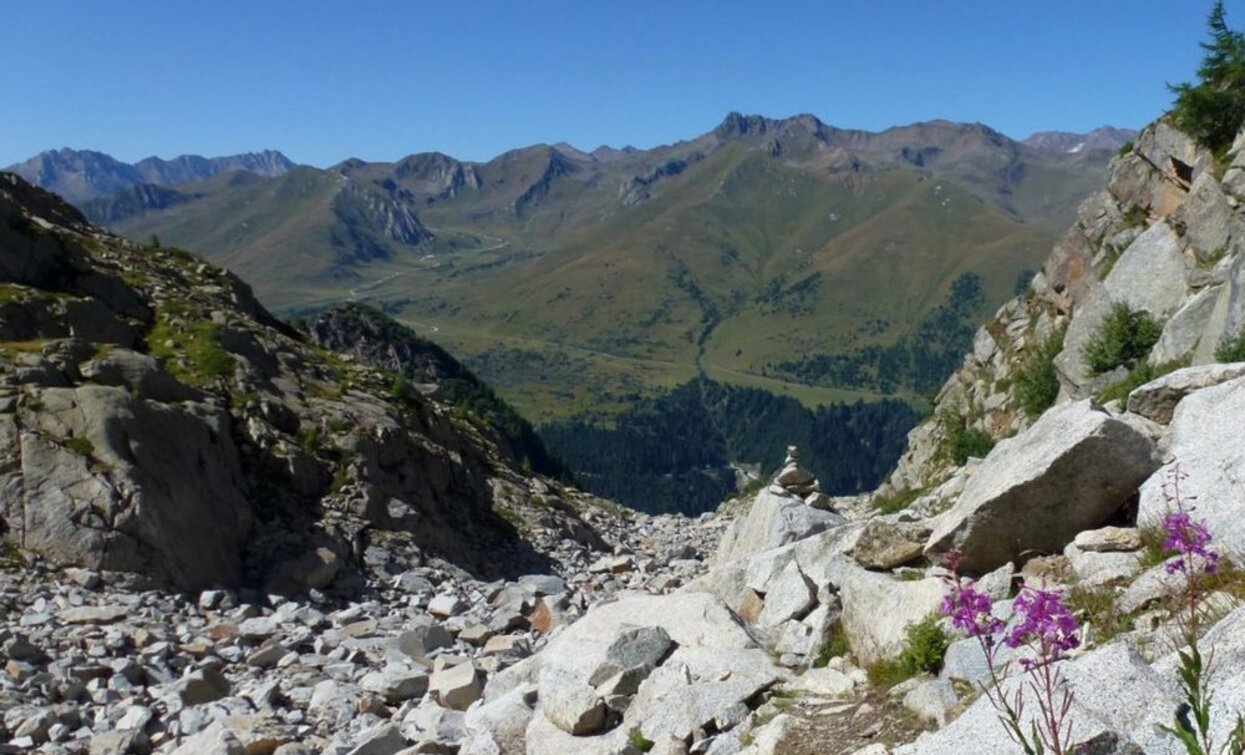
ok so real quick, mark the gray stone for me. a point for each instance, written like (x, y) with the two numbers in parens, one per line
(1157, 399)
(446, 606)
(791, 596)
(640, 649)
(1113, 691)
(214, 740)
(884, 545)
(422, 638)
(932, 701)
(396, 682)
(672, 702)
(314, 570)
(1225, 643)
(173, 474)
(380, 740)
(202, 686)
(543, 584)
(877, 610)
(1109, 539)
(456, 687)
(1069, 472)
(824, 682)
(1149, 275)
(114, 742)
(93, 614)
(570, 703)
(258, 629)
(1094, 568)
(499, 726)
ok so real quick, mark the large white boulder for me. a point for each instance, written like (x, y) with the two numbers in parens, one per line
(877, 609)
(773, 520)
(1205, 439)
(1070, 471)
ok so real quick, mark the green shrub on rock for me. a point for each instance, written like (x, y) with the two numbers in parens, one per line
(963, 441)
(1124, 339)
(1231, 348)
(1037, 383)
(927, 644)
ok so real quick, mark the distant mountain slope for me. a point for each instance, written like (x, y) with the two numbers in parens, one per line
(427, 368)
(79, 175)
(575, 280)
(1104, 137)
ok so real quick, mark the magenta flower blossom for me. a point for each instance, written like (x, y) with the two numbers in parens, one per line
(1188, 539)
(1044, 619)
(1045, 624)
(971, 611)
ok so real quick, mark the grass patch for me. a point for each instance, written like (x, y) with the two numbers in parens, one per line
(1140, 375)
(1228, 579)
(11, 557)
(638, 741)
(898, 501)
(1137, 217)
(926, 646)
(81, 446)
(1037, 382)
(887, 673)
(834, 645)
(10, 292)
(1096, 606)
(1231, 348)
(1152, 552)
(1124, 339)
(33, 346)
(191, 351)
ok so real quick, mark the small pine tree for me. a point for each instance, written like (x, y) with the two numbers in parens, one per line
(1213, 110)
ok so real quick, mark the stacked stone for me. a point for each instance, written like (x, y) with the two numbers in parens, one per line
(795, 480)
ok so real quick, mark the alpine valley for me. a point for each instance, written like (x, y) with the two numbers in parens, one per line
(777, 266)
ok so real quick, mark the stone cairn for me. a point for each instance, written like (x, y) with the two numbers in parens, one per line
(796, 481)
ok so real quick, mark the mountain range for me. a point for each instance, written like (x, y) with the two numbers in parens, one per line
(79, 175)
(576, 281)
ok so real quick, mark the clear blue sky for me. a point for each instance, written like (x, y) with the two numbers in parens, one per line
(323, 81)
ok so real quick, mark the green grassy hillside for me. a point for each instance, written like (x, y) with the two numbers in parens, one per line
(577, 284)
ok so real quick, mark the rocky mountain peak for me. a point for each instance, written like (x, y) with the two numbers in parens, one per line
(1066, 142)
(80, 175)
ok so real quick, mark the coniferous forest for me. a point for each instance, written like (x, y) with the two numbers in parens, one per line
(673, 453)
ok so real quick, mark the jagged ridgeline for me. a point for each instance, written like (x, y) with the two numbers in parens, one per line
(156, 419)
(677, 452)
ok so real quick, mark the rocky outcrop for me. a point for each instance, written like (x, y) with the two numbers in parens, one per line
(375, 339)
(146, 398)
(1164, 236)
(98, 478)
